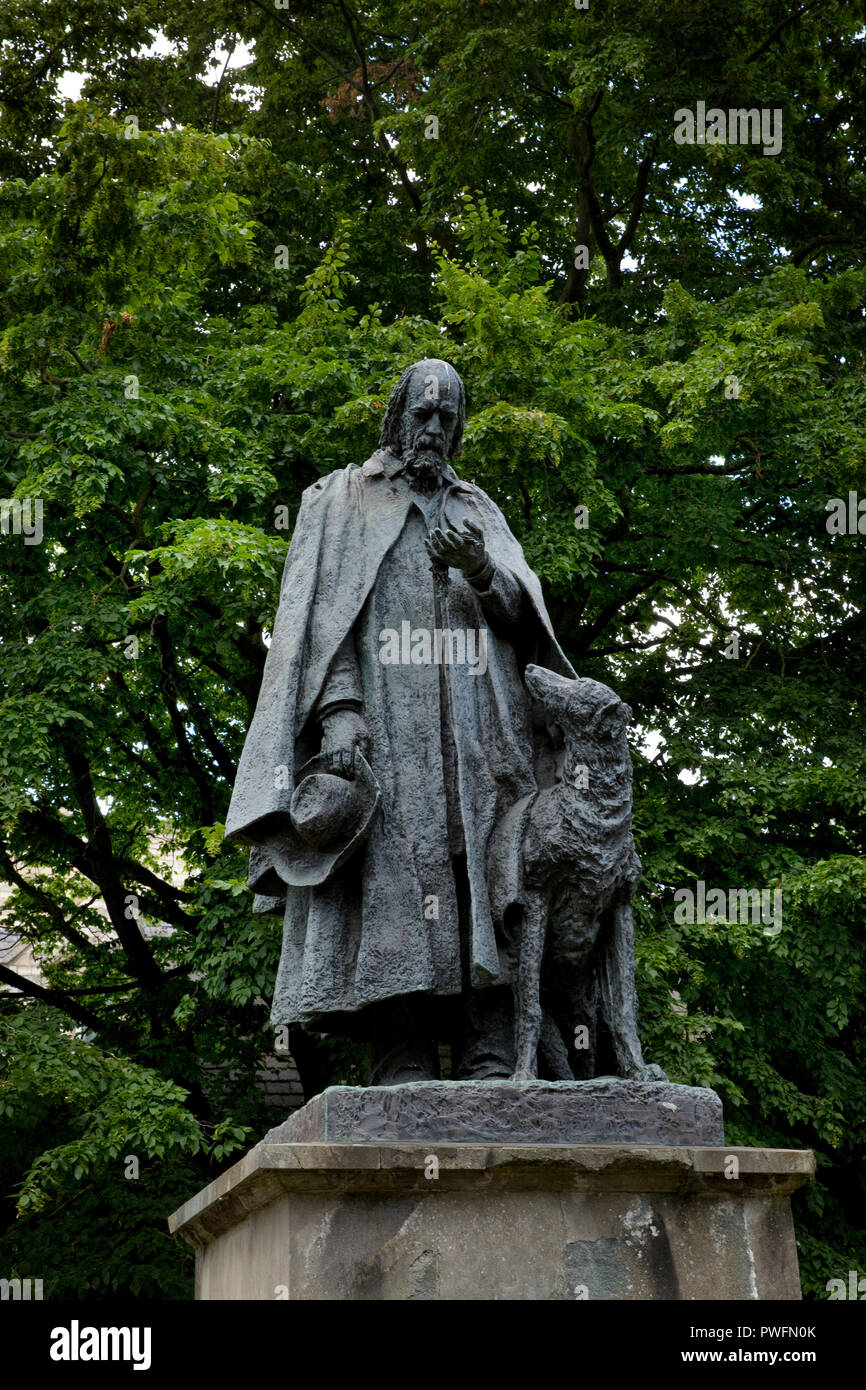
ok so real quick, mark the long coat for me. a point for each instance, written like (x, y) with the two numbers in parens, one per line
(387, 922)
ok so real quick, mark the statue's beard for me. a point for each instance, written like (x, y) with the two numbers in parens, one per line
(423, 466)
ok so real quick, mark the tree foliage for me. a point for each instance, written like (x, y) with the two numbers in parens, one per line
(211, 279)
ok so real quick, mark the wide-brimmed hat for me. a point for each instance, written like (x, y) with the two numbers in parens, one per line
(330, 819)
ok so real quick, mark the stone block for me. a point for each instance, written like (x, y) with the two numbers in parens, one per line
(460, 1221)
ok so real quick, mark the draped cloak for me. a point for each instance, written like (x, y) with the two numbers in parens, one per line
(387, 922)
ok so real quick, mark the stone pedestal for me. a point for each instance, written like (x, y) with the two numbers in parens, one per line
(605, 1111)
(390, 1219)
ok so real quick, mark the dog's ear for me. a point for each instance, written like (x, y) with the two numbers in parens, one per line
(629, 717)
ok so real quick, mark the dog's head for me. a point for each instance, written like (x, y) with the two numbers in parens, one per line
(579, 706)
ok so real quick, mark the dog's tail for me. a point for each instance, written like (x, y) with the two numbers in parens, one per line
(619, 999)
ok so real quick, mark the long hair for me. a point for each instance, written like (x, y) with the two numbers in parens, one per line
(389, 437)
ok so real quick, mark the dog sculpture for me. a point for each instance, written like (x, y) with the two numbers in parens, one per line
(562, 873)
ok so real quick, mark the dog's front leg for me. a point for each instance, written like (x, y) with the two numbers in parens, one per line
(527, 985)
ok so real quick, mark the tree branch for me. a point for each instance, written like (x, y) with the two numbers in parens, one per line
(104, 871)
(807, 250)
(783, 24)
(638, 202)
(56, 997)
(83, 365)
(46, 903)
(219, 86)
(292, 24)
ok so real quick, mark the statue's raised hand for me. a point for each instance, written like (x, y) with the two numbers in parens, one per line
(459, 549)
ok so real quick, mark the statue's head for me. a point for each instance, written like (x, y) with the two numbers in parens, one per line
(582, 707)
(424, 420)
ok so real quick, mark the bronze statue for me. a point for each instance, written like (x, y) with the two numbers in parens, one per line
(389, 776)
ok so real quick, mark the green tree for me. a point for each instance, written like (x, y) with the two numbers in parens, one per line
(211, 278)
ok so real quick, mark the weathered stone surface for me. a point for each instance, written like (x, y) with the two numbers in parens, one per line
(468, 1222)
(606, 1111)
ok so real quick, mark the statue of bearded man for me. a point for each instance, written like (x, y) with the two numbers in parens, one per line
(393, 729)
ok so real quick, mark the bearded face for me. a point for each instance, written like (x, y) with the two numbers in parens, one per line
(429, 421)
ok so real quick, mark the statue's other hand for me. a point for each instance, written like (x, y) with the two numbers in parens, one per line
(343, 732)
(460, 549)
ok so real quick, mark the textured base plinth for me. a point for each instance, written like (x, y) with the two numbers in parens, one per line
(495, 1221)
(607, 1111)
